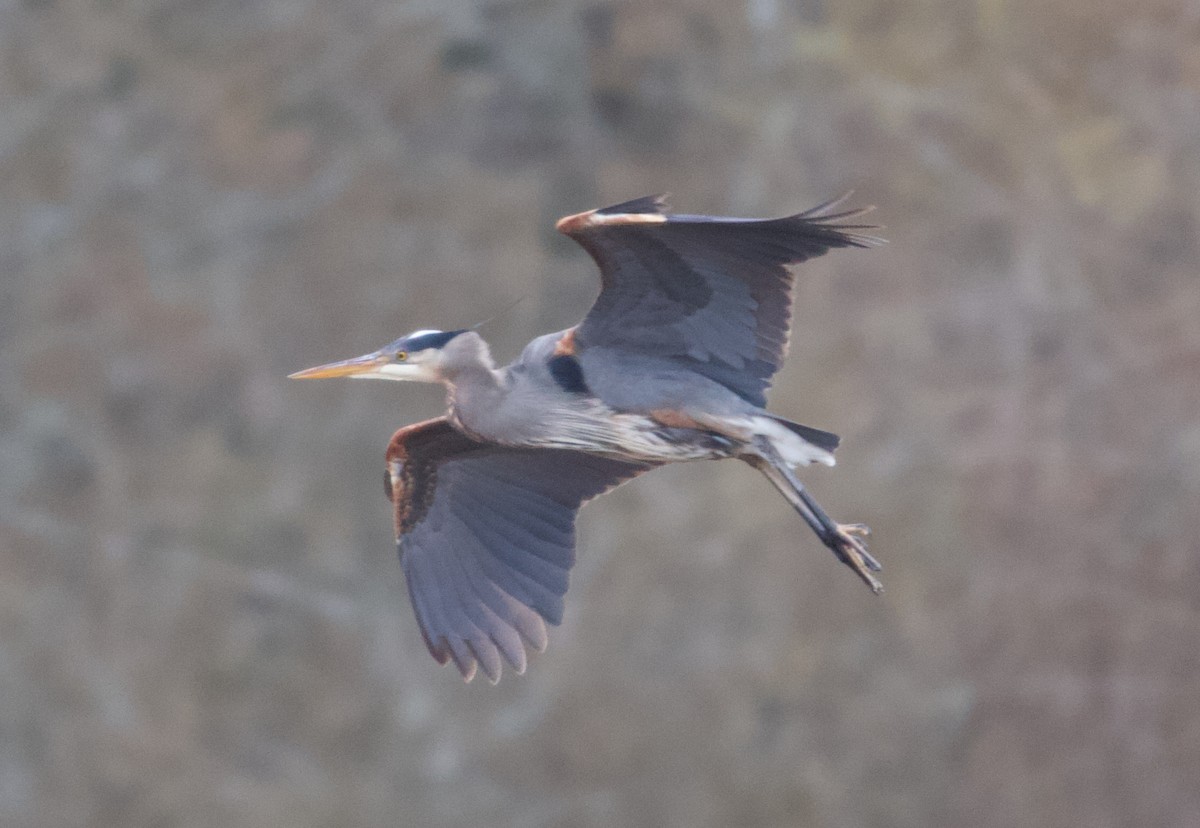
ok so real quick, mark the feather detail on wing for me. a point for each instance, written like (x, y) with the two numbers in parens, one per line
(486, 536)
(710, 295)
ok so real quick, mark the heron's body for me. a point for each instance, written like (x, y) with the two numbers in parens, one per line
(537, 403)
(671, 364)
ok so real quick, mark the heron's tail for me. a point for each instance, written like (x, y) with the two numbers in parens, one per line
(821, 439)
(794, 444)
(797, 445)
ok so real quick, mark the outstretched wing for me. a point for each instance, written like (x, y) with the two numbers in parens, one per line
(486, 536)
(710, 295)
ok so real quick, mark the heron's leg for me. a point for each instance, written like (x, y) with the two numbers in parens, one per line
(844, 539)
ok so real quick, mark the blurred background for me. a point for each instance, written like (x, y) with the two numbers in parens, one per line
(202, 621)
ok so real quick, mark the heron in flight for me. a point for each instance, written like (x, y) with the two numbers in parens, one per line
(671, 363)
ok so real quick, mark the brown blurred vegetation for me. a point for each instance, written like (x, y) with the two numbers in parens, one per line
(202, 621)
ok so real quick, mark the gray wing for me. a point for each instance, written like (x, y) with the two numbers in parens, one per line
(486, 536)
(709, 295)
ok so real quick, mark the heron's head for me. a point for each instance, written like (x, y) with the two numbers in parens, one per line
(418, 357)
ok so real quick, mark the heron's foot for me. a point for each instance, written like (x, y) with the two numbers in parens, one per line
(846, 543)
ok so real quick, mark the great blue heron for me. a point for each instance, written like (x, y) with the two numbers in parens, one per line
(671, 363)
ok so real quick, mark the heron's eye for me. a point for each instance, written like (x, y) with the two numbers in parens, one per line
(401, 356)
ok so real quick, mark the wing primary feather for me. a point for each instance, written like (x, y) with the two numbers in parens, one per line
(524, 620)
(487, 657)
(426, 620)
(449, 616)
(472, 609)
(462, 657)
(501, 631)
(525, 589)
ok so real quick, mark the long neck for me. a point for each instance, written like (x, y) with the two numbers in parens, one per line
(472, 381)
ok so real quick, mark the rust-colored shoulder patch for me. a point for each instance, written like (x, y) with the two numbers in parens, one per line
(566, 343)
(397, 450)
(412, 457)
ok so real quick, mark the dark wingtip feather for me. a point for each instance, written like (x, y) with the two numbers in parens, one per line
(857, 239)
(440, 652)
(513, 652)
(489, 658)
(820, 216)
(463, 659)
